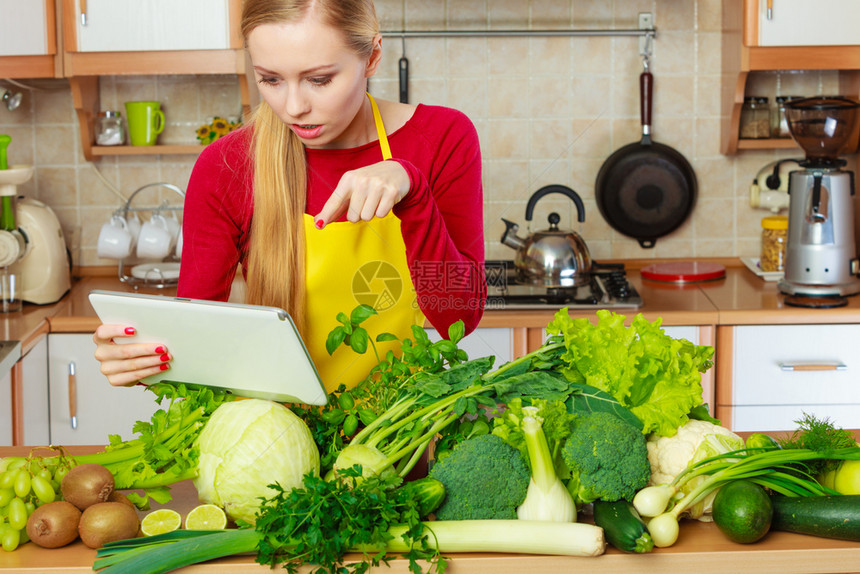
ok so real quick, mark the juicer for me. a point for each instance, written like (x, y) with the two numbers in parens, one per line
(821, 265)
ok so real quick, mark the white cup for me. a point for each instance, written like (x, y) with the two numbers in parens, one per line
(154, 241)
(174, 227)
(114, 239)
(178, 250)
(133, 228)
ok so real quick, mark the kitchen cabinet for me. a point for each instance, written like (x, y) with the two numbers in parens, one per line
(35, 395)
(88, 54)
(133, 26)
(28, 39)
(770, 375)
(6, 409)
(77, 385)
(789, 42)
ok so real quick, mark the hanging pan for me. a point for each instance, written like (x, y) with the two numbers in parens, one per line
(645, 189)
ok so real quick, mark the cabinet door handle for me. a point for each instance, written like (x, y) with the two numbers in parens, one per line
(813, 367)
(73, 395)
(83, 12)
(769, 9)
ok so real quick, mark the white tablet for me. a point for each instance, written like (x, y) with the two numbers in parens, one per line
(246, 350)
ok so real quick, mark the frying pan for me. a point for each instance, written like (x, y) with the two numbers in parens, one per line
(645, 189)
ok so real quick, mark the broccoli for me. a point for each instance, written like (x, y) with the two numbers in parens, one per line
(484, 478)
(607, 458)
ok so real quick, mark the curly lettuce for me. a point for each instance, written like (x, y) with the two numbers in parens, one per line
(657, 377)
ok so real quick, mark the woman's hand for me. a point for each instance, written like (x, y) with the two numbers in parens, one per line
(126, 365)
(365, 193)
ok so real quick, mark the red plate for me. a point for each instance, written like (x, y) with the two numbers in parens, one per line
(684, 271)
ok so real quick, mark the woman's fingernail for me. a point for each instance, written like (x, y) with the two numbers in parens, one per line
(129, 330)
(164, 366)
(160, 349)
(164, 358)
(319, 223)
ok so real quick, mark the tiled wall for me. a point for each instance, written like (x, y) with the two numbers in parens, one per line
(548, 110)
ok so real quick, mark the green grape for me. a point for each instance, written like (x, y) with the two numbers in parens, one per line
(22, 483)
(45, 473)
(16, 462)
(6, 496)
(7, 478)
(17, 514)
(31, 508)
(61, 473)
(10, 539)
(42, 489)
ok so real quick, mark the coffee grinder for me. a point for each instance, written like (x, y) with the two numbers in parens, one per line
(821, 266)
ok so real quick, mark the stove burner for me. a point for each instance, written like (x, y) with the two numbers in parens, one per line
(607, 288)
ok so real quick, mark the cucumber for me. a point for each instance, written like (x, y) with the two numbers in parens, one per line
(825, 516)
(622, 526)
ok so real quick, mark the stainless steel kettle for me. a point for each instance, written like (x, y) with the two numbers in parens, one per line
(551, 257)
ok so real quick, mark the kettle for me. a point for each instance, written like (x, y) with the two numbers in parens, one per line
(552, 257)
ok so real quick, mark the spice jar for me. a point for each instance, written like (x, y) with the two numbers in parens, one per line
(774, 234)
(778, 121)
(109, 130)
(755, 118)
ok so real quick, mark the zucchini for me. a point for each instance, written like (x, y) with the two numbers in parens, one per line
(622, 526)
(835, 516)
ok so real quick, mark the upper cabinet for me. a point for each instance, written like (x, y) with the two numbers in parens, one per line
(116, 25)
(780, 35)
(132, 37)
(28, 39)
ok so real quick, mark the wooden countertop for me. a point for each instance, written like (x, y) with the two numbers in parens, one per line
(700, 548)
(741, 298)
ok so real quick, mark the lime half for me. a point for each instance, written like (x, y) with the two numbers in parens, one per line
(160, 521)
(206, 517)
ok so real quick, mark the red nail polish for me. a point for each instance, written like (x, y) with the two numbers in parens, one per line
(129, 330)
(159, 349)
(164, 366)
(319, 223)
(164, 358)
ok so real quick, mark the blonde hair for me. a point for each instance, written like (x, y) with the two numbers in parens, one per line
(276, 253)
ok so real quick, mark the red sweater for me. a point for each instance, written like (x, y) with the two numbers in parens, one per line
(441, 216)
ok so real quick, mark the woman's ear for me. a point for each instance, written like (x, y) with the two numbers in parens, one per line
(375, 57)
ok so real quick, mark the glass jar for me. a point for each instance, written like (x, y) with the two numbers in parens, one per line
(109, 129)
(755, 118)
(778, 121)
(774, 234)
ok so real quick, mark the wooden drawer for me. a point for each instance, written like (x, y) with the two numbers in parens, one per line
(780, 372)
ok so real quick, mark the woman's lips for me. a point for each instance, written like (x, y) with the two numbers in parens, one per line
(306, 131)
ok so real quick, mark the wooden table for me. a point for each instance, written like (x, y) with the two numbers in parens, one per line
(701, 548)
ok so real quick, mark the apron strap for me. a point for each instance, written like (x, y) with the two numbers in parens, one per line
(380, 129)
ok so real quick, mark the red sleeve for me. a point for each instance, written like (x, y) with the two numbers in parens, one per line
(216, 219)
(442, 224)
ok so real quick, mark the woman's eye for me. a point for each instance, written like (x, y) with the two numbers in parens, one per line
(320, 81)
(268, 80)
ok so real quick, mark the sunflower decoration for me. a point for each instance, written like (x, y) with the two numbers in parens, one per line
(216, 128)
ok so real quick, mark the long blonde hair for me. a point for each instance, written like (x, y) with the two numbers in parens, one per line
(276, 253)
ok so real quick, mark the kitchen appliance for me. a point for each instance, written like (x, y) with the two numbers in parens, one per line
(821, 266)
(769, 189)
(646, 189)
(606, 287)
(44, 267)
(552, 257)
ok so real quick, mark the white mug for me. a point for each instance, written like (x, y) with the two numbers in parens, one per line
(178, 249)
(114, 239)
(133, 228)
(154, 241)
(174, 227)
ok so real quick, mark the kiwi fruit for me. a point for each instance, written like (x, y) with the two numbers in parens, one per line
(105, 522)
(87, 484)
(117, 496)
(54, 524)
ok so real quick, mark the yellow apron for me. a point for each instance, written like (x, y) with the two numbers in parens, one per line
(352, 263)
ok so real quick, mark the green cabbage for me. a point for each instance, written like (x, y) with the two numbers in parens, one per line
(247, 445)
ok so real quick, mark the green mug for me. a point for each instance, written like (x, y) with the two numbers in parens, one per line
(145, 122)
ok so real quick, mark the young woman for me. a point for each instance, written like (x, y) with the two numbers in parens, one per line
(329, 198)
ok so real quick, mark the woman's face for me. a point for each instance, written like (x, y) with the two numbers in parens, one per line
(313, 82)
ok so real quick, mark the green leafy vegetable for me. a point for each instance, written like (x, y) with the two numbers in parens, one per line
(655, 376)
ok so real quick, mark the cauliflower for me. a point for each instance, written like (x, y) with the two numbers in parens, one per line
(695, 440)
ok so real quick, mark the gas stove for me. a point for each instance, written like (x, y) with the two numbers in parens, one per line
(608, 288)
